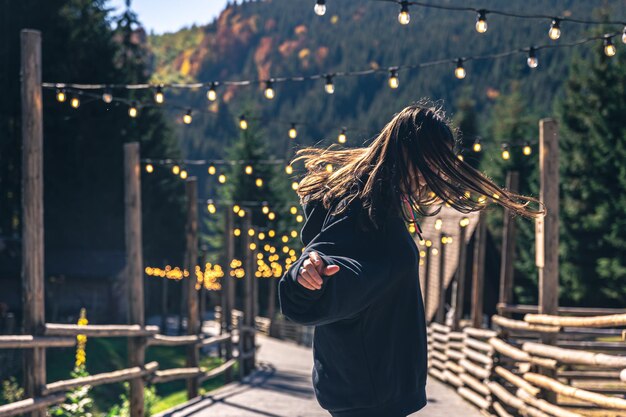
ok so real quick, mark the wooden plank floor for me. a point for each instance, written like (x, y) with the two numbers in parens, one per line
(282, 387)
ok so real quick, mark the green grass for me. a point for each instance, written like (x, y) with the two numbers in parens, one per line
(108, 354)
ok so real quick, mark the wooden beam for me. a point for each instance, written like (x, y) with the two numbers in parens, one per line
(134, 270)
(523, 325)
(547, 228)
(163, 340)
(229, 290)
(31, 405)
(509, 231)
(458, 295)
(191, 260)
(478, 271)
(32, 212)
(102, 378)
(99, 330)
(577, 357)
(614, 320)
(248, 312)
(441, 284)
(29, 342)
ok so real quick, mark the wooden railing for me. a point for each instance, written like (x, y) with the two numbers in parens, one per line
(512, 371)
(64, 335)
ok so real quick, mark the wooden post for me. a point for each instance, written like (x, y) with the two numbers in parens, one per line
(191, 258)
(164, 305)
(478, 271)
(547, 229)
(508, 249)
(426, 291)
(441, 293)
(227, 286)
(248, 310)
(32, 213)
(134, 269)
(458, 296)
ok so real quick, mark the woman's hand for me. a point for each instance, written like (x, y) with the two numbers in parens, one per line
(309, 275)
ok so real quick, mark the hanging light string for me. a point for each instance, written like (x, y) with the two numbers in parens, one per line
(404, 5)
(327, 77)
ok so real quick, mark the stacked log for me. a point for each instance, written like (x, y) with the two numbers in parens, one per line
(477, 367)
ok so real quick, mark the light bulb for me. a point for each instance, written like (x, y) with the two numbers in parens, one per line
(329, 86)
(211, 207)
(211, 170)
(532, 60)
(271, 215)
(609, 48)
(459, 71)
(75, 102)
(289, 169)
(394, 82)
(259, 182)
(183, 174)
(149, 168)
(555, 29)
(320, 7)
(527, 150)
(159, 97)
(292, 131)
(342, 136)
(221, 178)
(107, 97)
(505, 151)
(269, 91)
(248, 169)
(61, 96)
(175, 170)
(187, 117)
(481, 22)
(243, 124)
(211, 94)
(404, 17)
(132, 110)
(477, 146)
(265, 209)
(460, 156)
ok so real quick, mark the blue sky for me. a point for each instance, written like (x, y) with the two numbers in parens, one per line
(170, 15)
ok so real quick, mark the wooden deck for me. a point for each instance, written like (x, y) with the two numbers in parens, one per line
(282, 387)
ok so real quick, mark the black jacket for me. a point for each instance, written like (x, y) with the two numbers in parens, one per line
(369, 345)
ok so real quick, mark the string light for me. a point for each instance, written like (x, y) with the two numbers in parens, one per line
(211, 207)
(329, 167)
(527, 150)
(159, 97)
(75, 102)
(342, 136)
(265, 209)
(149, 168)
(292, 131)
(288, 169)
(293, 210)
(505, 151)
(404, 17)
(236, 208)
(464, 222)
(459, 71)
(259, 182)
(107, 96)
(394, 82)
(132, 110)
(269, 90)
(187, 117)
(532, 60)
(609, 48)
(555, 29)
(271, 215)
(61, 97)
(183, 174)
(211, 170)
(460, 156)
(211, 93)
(221, 179)
(294, 185)
(329, 87)
(175, 170)
(243, 123)
(320, 7)
(477, 146)
(481, 21)
(237, 232)
(248, 169)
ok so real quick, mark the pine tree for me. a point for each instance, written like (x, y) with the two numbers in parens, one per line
(593, 178)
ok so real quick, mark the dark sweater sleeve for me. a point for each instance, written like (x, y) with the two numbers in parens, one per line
(363, 273)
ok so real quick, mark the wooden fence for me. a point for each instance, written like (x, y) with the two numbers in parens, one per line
(508, 371)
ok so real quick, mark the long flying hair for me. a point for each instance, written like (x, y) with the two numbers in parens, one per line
(417, 141)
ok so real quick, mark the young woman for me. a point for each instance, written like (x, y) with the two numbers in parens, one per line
(357, 278)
